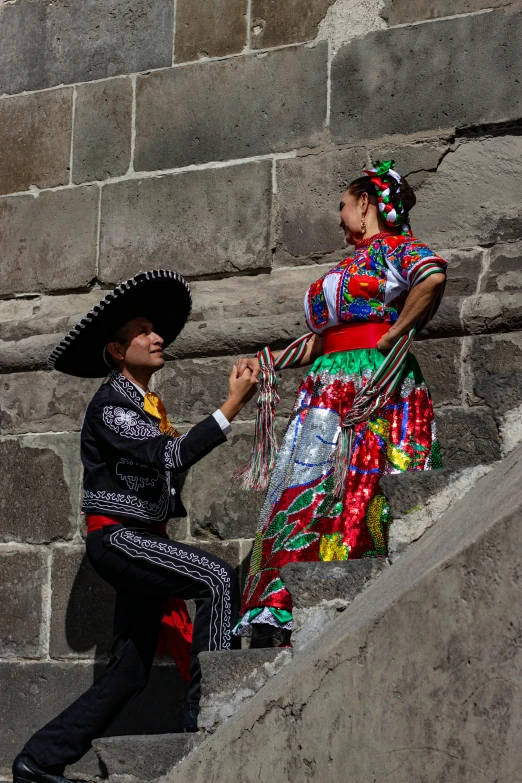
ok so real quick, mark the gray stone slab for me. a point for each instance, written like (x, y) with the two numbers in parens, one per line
(44, 44)
(40, 491)
(219, 507)
(473, 198)
(496, 366)
(102, 130)
(194, 388)
(145, 757)
(447, 322)
(276, 24)
(440, 364)
(231, 108)
(309, 190)
(35, 139)
(312, 584)
(407, 492)
(33, 693)
(82, 607)
(474, 82)
(23, 578)
(43, 401)
(208, 29)
(49, 242)
(467, 437)
(231, 677)
(423, 662)
(159, 222)
(229, 551)
(505, 268)
(494, 312)
(404, 11)
(464, 270)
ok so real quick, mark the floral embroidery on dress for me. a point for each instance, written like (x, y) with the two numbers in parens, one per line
(317, 304)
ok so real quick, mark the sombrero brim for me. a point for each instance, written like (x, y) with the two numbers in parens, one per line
(161, 296)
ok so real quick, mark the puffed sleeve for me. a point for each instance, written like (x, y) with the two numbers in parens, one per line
(414, 262)
(125, 431)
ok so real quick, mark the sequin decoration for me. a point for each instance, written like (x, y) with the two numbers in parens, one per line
(301, 520)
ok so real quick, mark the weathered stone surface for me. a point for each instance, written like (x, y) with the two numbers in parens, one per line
(231, 108)
(43, 44)
(434, 495)
(43, 401)
(505, 269)
(496, 365)
(473, 197)
(145, 757)
(23, 575)
(311, 584)
(82, 607)
(464, 269)
(498, 312)
(38, 314)
(158, 222)
(208, 29)
(102, 130)
(440, 364)
(467, 437)
(447, 322)
(231, 677)
(407, 492)
(193, 388)
(403, 11)
(219, 507)
(409, 661)
(39, 493)
(39, 249)
(33, 693)
(276, 23)
(35, 139)
(226, 550)
(469, 85)
(309, 190)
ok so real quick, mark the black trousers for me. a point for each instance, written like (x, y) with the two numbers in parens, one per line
(143, 568)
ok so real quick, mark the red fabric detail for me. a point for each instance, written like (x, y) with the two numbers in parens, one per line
(350, 337)
(363, 285)
(175, 636)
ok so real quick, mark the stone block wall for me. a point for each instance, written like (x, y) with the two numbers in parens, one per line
(216, 139)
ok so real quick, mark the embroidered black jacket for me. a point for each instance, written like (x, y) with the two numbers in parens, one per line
(130, 468)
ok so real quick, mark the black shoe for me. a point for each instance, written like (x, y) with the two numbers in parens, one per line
(191, 718)
(26, 770)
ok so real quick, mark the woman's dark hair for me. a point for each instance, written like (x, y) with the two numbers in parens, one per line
(405, 192)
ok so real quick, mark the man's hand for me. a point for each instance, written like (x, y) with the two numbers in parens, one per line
(247, 364)
(241, 389)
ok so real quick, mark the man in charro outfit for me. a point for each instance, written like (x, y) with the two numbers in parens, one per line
(133, 459)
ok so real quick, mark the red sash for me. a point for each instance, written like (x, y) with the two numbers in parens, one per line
(350, 337)
(175, 635)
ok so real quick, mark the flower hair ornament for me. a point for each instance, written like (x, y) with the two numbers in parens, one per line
(387, 183)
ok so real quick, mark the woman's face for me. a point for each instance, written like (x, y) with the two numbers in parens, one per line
(351, 217)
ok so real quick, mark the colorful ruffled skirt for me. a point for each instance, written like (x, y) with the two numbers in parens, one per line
(301, 520)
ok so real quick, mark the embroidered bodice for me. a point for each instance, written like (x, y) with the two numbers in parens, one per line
(371, 286)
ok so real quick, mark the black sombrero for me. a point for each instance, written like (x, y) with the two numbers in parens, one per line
(160, 295)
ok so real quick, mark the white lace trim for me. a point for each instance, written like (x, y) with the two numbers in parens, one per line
(266, 618)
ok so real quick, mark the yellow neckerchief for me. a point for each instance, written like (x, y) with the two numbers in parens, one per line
(154, 407)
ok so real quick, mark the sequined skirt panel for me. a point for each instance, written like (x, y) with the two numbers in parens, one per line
(300, 519)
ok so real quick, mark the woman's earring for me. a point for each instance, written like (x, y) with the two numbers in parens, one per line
(363, 226)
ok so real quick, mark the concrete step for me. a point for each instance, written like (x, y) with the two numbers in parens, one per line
(146, 757)
(231, 677)
(417, 500)
(321, 590)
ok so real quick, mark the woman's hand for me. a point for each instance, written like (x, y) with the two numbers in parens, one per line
(247, 364)
(387, 341)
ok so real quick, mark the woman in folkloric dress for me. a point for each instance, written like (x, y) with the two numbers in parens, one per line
(357, 313)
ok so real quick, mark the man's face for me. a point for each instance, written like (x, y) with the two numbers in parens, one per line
(139, 347)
